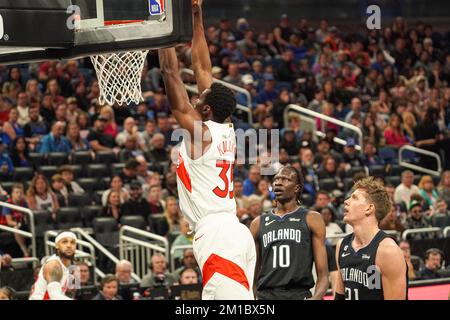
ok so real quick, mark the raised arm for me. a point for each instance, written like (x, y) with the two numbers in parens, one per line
(53, 274)
(317, 226)
(183, 111)
(254, 229)
(201, 62)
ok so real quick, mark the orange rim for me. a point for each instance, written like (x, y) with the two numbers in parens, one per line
(114, 22)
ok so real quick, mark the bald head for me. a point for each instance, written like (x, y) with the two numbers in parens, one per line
(58, 129)
(123, 271)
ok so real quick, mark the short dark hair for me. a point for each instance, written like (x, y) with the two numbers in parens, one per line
(434, 251)
(300, 180)
(222, 102)
(107, 279)
(132, 164)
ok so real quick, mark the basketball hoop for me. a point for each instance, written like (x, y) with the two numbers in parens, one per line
(119, 76)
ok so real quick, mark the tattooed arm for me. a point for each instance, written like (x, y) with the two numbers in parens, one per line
(53, 274)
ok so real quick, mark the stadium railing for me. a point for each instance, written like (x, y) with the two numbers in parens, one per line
(85, 235)
(408, 232)
(138, 246)
(173, 250)
(416, 167)
(79, 253)
(247, 109)
(446, 232)
(298, 109)
(31, 234)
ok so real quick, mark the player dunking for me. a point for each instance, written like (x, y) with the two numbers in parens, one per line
(223, 247)
(288, 240)
(371, 264)
(53, 279)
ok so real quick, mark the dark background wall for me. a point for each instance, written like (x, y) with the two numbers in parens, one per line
(262, 13)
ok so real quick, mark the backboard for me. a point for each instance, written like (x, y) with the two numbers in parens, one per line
(33, 30)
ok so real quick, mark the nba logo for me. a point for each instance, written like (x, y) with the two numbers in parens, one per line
(156, 7)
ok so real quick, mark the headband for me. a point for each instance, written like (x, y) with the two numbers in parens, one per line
(66, 234)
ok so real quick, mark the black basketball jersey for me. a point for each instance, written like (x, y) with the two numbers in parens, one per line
(362, 279)
(286, 252)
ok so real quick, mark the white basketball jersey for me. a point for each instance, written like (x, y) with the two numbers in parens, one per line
(39, 290)
(205, 185)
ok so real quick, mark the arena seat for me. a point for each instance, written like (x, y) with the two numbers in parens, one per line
(89, 213)
(158, 224)
(134, 221)
(377, 170)
(327, 184)
(43, 222)
(106, 157)
(394, 180)
(38, 159)
(97, 170)
(307, 199)
(22, 174)
(79, 200)
(88, 184)
(81, 158)
(440, 220)
(67, 218)
(117, 168)
(48, 171)
(106, 231)
(58, 158)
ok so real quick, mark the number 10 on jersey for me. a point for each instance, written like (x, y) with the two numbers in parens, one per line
(281, 256)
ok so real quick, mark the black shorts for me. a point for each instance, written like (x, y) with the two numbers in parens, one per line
(283, 294)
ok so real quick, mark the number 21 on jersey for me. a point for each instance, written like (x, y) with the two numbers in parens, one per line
(226, 174)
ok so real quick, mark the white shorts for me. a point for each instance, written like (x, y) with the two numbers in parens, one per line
(226, 254)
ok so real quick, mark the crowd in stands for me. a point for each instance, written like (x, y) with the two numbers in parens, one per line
(59, 148)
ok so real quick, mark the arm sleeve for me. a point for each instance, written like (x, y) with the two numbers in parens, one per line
(55, 292)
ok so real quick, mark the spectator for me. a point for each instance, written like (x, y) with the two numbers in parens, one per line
(395, 138)
(444, 187)
(61, 113)
(85, 274)
(19, 154)
(416, 220)
(323, 200)
(143, 175)
(47, 110)
(7, 293)
(254, 209)
(6, 164)
(183, 239)
(116, 185)
(428, 191)
(129, 173)
(111, 128)
(187, 261)
(40, 196)
(35, 129)
(404, 190)
(159, 152)
(136, 204)
(356, 106)
(370, 156)
(11, 128)
(57, 187)
(130, 129)
(332, 228)
(22, 108)
(405, 246)
(6, 262)
(409, 125)
(97, 137)
(269, 93)
(266, 195)
(70, 186)
(172, 214)
(124, 269)
(158, 276)
(83, 123)
(233, 76)
(109, 287)
(16, 219)
(54, 91)
(433, 262)
(76, 142)
(330, 170)
(73, 112)
(154, 199)
(351, 157)
(391, 221)
(112, 207)
(370, 130)
(251, 183)
(188, 276)
(148, 133)
(55, 141)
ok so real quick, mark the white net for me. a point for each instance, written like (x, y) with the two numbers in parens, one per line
(119, 76)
